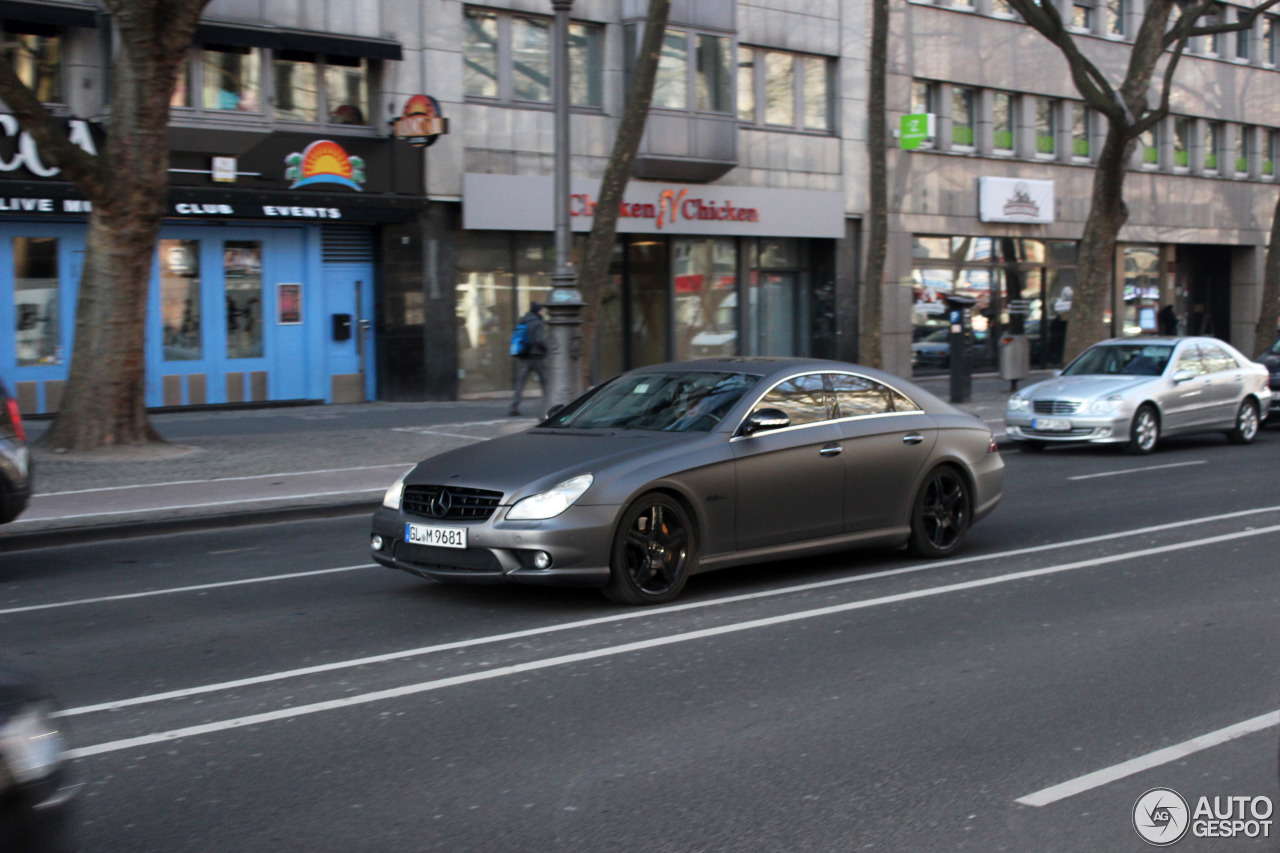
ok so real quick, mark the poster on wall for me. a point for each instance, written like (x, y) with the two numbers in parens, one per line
(289, 299)
(1015, 200)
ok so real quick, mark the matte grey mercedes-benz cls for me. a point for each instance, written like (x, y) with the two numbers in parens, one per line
(680, 468)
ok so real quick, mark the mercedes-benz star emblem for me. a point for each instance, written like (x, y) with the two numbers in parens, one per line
(441, 503)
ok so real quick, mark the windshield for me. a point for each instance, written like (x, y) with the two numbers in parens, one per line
(1121, 360)
(679, 401)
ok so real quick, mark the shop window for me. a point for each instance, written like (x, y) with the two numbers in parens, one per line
(1181, 142)
(1046, 127)
(242, 275)
(508, 58)
(35, 52)
(1081, 130)
(36, 297)
(1141, 289)
(797, 90)
(705, 280)
(232, 78)
(1002, 111)
(778, 298)
(180, 304)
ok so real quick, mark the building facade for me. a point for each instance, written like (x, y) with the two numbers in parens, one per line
(310, 254)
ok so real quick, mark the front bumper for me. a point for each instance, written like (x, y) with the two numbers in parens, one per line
(1093, 429)
(579, 541)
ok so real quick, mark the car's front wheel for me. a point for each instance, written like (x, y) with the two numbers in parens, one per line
(1144, 431)
(941, 515)
(654, 551)
(1246, 428)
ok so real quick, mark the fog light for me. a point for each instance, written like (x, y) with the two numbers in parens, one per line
(541, 560)
(376, 542)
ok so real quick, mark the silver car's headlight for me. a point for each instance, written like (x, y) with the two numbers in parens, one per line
(1106, 406)
(1018, 403)
(553, 501)
(391, 500)
(30, 743)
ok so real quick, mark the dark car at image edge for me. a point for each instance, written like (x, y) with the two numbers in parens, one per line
(36, 791)
(15, 459)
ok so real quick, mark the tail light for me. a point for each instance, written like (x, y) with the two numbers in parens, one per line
(992, 447)
(15, 417)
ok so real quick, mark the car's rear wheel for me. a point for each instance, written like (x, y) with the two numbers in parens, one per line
(941, 515)
(1246, 428)
(654, 551)
(1144, 431)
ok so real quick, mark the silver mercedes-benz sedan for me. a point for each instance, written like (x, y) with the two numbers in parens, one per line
(1133, 391)
(679, 468)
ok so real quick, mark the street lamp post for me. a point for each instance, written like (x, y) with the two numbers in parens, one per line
(564, 339)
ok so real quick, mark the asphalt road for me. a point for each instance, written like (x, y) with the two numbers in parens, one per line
(267, 688)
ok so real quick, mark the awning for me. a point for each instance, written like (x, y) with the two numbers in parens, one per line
(53, 14)
(276, 38)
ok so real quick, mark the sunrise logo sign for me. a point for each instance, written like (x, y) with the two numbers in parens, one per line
(324, 162)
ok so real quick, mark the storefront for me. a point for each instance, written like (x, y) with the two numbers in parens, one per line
(698, 271)
(264, 276)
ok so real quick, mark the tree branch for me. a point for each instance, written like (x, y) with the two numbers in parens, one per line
(82, 168)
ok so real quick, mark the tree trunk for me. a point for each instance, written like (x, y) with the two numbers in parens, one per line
(1269, 311)
(1107, 215)
(604, 223)
(871, 318)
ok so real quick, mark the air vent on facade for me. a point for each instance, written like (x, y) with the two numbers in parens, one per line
(345, 244)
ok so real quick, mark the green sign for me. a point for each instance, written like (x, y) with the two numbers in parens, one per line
(913, 130)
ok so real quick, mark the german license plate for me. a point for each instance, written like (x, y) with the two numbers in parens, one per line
(1051, 424)
(439, 537)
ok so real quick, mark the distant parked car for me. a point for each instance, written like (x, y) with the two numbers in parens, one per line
(673, 469)
(934, 350)
(1134, 391)
(1271, 360)
(35, 793)
(15, 460)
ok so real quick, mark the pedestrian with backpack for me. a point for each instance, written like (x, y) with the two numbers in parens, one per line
(529, 348)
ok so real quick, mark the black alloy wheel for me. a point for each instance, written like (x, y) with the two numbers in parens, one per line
(654, 552)
(1246, 428)
(941, 515)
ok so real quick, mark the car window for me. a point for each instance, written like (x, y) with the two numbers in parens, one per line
(1136, 359)
(678, 401)
(1217, 359)
(1189, 359)
(903, 403)
(802, 398)
(857, 395)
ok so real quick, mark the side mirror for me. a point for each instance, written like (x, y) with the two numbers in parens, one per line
(555, 410)
(1183, 376)
(765, 419)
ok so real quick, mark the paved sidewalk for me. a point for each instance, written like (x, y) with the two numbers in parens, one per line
(236, 467)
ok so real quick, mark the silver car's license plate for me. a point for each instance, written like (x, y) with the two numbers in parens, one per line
(1051, 424)
(439, 537)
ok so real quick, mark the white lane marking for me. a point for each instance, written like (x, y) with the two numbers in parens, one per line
(1138, 470)
(656, 642)
(226, 479)
(170, 507)
(1145, 762)
(617, 617)
(195, 588)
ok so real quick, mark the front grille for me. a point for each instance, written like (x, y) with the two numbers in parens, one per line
(450, 503)
(478, 560)
(1074, 432)
(1055, 407)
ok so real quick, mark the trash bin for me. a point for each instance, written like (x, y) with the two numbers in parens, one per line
(1015, 357)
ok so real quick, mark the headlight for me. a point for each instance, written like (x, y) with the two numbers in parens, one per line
(552, 502)
(30, 744)
(1105, 406)
(1018, 403)
(391, 500)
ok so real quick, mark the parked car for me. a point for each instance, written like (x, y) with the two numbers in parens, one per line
(679, 468)
(1271, 360)
(934, 350)
(15, 460)
(1134, 391)
(35, 791)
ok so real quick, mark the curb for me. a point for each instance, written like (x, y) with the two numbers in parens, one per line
(12, 542)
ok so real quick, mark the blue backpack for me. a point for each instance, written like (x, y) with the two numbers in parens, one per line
(520, 339)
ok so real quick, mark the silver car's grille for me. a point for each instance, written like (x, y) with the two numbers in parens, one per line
(1054, 407)
(454, 503)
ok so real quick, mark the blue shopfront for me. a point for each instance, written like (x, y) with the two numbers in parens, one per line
(257, 296)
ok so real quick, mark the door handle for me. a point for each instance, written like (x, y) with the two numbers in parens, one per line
(830, 450)
(912, 438)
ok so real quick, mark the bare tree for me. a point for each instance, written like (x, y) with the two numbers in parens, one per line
(127, 183)
(1162, 37)
(604, 223)
(871, 317)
